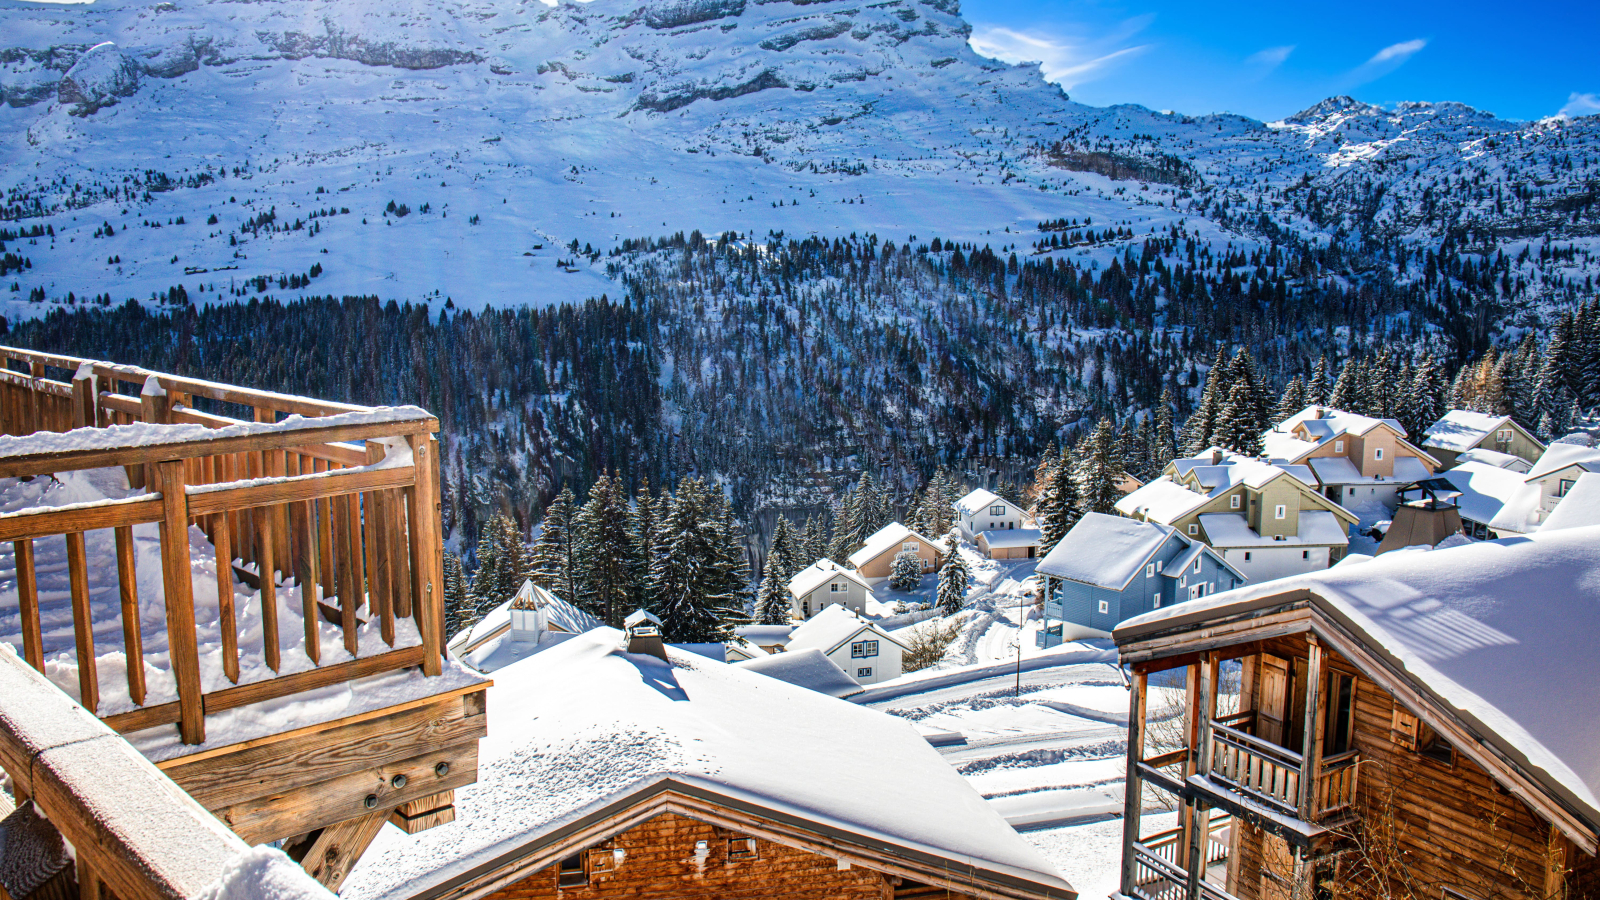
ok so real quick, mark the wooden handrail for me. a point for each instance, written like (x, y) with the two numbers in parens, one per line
(78, 517)
(1264, 747)
(215, 498)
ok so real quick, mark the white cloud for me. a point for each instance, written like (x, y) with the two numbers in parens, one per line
(1581, 105)
(1270, 58)
(1065, 60)
(1397, 53)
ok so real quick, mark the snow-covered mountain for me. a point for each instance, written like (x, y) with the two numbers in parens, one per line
(420, 149)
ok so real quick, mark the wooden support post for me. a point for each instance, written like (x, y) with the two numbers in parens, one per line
(35, 415)
(347, 525)
(400, 554)
(335, 850)
(267, 529)
(418, 816)
(155, 408)
(1133, 784)
(376, 519)
(306, 574)
(178, 589)
(28, 604)
(82, 622)
(1200, 832)
(89, 884)
(222, 539)
(1556, 865)
(427, 553)
(1311, 748)
(84, 397)
(132, 636)
(1191, 740)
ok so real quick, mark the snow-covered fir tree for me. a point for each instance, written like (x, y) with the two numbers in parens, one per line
(953, 580)
(905, 573)
(604, 552)
(554, 556)
(1099, 471)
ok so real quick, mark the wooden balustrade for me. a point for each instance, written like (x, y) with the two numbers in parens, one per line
(1256, 767)
(339, 501)
(1156, 876)
(1337, 783)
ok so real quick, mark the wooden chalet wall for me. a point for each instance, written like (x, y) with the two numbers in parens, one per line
(659, 862)
(1452, 825)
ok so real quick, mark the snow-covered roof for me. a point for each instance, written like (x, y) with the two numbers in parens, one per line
(623, 725)
(496, 622)
(1320, 423)
(1496, 497)
(1013, 537)
(1162, 500)
(808, 668)
(1486, 629)
(1494, 458)
(1461, 428)
(1219, 469)
(1318, 528)
(1562, 456)
(885, 539)
(820, 573)
(1580, 508)
(1105, 551)
(765, 635)
(835, 625)
(978, 502)
(1339, 470)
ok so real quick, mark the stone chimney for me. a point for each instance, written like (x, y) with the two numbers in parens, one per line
(642, 634)
(1216, 456)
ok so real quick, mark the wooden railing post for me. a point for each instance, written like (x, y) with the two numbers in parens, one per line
(156, 408)
(427, 553)
(35, 416)
(1133, 783)
(1200, 832)
(28, 604)
(178, 588)
(1311, 752)
(84, 398)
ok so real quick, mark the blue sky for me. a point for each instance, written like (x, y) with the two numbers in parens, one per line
(1269, 59)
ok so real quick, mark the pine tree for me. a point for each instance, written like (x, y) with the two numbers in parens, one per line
(694, 580)
(1236, 429)
(641, 537)
(1317, 388)
(1199, 430)
(816, 542)
(1058, 506)
(772, 601)
(503, 564)
(603, 552)
(553, 556)
(1166, 442)
(953, 580)
(459, 610)
(1099, 471)
(1293, 400)
(1346, 390)
(906, 571)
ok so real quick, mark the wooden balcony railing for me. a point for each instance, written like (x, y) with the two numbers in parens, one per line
(1256, 767)
(1156, 874)
(337, 504)
(1337, 783)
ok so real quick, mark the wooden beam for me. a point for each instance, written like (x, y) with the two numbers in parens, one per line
(295, 488)
(1133, 789)
(28, 603)
(177, 579)
(27, 524)
(336, 849)
(429, 812)
(132, 636)
(426, 552)
(82, 622)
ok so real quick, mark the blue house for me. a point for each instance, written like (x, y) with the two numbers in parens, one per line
(1108, 568)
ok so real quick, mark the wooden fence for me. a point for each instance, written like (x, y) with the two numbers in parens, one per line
(342, 499)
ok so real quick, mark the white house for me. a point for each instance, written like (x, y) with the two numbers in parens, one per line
(1580, 508)
(824, 583)
(1357, 460)
(983, 510)
(1557, 471)
(807, 668)
(864, 651)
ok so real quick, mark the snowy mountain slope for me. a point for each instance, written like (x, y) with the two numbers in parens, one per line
(505, 130)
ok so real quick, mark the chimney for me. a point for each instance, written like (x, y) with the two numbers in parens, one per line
(1216, 456)
(642, 634)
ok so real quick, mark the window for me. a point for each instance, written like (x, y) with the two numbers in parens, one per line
(805, 609)
(1105, 608)
(1155, 601)
(913, 546)
(571, 873)
(1563, 486)
(1280, 511)
(864, 672)
(1438, 749)
(1338, 446)
(1197, 561)
(1305, 554)
(1159, 564)
(1150, 570)
(1377, 453)
(1233, 502)
(997, 510)
(863, 649)
(1247, 556)
(1194, 529)
(1503, 435)
(742, 848)
(836, 587)
(1338, 730)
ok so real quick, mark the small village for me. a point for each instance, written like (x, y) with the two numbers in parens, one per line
(1317, 671)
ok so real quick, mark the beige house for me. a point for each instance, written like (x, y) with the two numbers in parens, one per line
(1267, 521)
(825, 583)
(1462, 430)
(1014, 543)
(875, 559)
(1355, 460)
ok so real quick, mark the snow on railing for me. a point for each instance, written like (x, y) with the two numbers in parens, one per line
(329, 514)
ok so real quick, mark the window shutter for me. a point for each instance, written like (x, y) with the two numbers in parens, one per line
(1405, 728)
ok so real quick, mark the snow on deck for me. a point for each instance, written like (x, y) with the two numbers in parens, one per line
(622, 722)
(105, 605)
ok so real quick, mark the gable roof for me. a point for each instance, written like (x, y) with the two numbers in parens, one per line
(1321, 425)
(624, 726)
(1494, 458)
(887, 538)
(496, 622)
(808, 668)
(1169, 498)
(1460, 429)
(820, 573)
(1560, 456)
(1580, 508)
(1484, 629)
(1011, 537)
(975, 502)
(1105, 551)
(833, 626)
(1499, 498)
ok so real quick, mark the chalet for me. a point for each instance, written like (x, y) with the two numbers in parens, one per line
(875, 559)
(982, 510)
(809, 668)
(864, 651)
(1357, 460)
(671, 776)
(1108, 568)
(1265, 520)
(275, 581)
(1015, 543)
(1462, 430)
(1579, 508)
(1397, 730)
(1557, 470)
(532, 617)
(825, 583)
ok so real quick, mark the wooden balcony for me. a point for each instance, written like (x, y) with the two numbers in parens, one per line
(1161, 870)
(185, 553)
